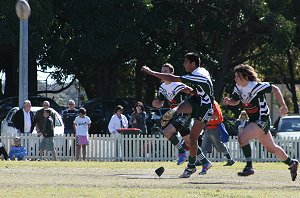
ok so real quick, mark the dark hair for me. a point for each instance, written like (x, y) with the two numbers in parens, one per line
(137, 104)
(193, 57)
(168, 65)
(247, 72)
(119, 107)
(82, 111)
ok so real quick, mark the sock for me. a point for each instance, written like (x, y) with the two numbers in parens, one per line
(288, 161)
(186, 147)
(175, 141)
(201, 157)
(228, 156)
(247, 152)
(192, 161)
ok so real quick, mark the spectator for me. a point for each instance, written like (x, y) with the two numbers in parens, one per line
(212, 136)
(39, 117)
(3, 152)
(47, 142)
(82, 123)
(17, 151)
(117, 121)
(68, 118)
(242, 121)
(138, 118)
(24, 118)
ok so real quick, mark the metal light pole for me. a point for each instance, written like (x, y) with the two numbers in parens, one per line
(23, 62)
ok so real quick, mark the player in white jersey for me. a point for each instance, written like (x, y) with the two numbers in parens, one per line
(173, 93)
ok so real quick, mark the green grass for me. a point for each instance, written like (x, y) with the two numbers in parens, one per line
(137, 179)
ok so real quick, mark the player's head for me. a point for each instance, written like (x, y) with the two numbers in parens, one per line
(167, 68)
(244, 73)
(191, 61)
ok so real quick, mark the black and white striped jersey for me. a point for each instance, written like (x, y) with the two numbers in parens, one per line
(253, 99)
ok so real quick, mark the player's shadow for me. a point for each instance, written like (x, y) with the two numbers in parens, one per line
(143, 176)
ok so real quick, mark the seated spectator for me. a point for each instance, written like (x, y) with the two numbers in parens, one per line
(17, 151)
(3, 152)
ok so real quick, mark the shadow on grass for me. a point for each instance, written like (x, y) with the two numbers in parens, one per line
(142, 176)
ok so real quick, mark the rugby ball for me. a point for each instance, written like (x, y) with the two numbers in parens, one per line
(23, 9)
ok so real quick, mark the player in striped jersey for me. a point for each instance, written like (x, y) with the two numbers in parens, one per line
(173, 93)
(199, 105)
(251, 94)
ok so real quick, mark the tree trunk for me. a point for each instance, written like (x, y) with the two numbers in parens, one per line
(224, 67)
(12, 75)
(32, 75)
(292, 82)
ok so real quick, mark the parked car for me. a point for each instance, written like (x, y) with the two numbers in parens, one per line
(8, 128)
(101, 110)
(8, 103)
(288, 126)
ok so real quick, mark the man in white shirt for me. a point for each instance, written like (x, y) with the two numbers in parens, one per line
(24, 118)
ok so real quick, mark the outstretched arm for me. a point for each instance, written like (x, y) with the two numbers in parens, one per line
(230, 101)
(162, 76)
(283, 110)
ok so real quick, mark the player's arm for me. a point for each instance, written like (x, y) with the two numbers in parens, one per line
(157, 103)
(230, 101)
(162, 76)
(283, 110)
(188, 90)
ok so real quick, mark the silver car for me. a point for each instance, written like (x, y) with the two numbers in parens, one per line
(289, 126)
(8, 128)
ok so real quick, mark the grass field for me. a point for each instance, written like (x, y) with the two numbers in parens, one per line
(137, 179)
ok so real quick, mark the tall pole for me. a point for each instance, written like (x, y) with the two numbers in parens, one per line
(23, 62)
(23, 12)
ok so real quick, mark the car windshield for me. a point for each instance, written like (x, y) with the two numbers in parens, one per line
(289, 125)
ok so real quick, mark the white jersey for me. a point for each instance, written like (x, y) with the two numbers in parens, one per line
(169, 91)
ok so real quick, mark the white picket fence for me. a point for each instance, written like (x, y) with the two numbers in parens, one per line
(143, 148)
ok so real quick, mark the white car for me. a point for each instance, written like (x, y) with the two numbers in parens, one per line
(288, 126)
(8, 128)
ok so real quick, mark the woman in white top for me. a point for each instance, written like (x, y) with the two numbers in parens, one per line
(117, 121)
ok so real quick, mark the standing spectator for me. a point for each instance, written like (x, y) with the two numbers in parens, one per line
(3, 152)
(242, 121)
(68, 118)
(81, 125)
(138, 117)
(17, 151)
(250, 92)
(24, 118)
(39, 117)
(212, 136)
(47, 142)
(117, 121)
